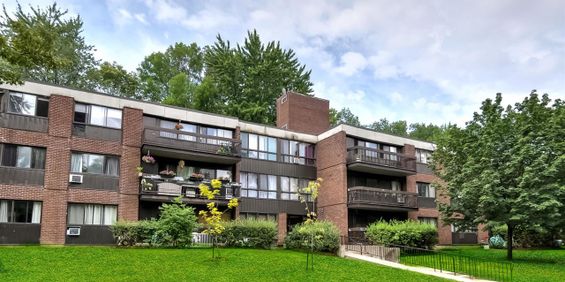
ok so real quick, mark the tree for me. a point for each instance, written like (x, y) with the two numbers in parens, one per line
(252, 76)
(344, 116)
(112, 78)
(159, 68)
(46, 46)
(427, 132)
(396, 127)
(507, 166)
(181, 91)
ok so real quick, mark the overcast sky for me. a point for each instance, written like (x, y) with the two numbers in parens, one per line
(420, 61)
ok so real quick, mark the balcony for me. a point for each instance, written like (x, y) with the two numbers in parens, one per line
(157, 189)
(191, 146)
(374, 161)
(381, 199)
(96, 132)
(21, 176)
(24, 122)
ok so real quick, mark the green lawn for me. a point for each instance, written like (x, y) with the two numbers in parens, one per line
(529, 265)
(34, 263)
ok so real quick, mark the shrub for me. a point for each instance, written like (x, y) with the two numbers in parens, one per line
(325, 237)
(405, 233)
(131, 233)
(250, 233)
(526, 237)
(175, 225)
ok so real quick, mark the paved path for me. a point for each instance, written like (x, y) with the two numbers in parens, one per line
(423, 270)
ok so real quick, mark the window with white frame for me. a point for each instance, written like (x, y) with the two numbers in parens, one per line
(94, 163)
(423, 156)
(12, 211)
(92, 214)
(428, 220)
(97, 115)
(27, 104)
(22, 156)
(259, 147)
(260, 186)
(426, 190)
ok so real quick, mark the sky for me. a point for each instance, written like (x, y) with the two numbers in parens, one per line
(419, 61)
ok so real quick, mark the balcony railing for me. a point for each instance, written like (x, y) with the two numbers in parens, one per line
(181, 140)
(24, 122)
(186, 188)
(380, 158)
(96, 132)
(382, 197)
(17, 175)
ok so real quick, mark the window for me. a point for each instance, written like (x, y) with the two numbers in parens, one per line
(91, 214)
(297, 153)
(428, 220)
(426, 190)
(258, 216)
(30, 105)
(20, 211)
(423, 156)
(216, 132)
(93, 163)
(463, 230)
(22, 156)
(260, 186)
(97, 115)
(259, 147)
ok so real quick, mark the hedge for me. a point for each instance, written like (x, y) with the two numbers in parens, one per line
(405, 233)
(249, 233)
(324, 234)
(131, 233)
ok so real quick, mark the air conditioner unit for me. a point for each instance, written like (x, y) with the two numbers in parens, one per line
(75, 178)
(73, 231)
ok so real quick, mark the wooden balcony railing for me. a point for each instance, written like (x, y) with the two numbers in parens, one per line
(380, 158)
(17, 175)
(181, 140)
(188, 189)
(24, 122)
(382, 197)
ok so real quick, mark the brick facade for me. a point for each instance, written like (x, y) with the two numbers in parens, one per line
(303, 113)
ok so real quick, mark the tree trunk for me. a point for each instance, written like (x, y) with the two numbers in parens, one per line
(509, 238)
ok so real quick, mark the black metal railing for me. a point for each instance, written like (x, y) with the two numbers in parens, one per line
(381, 158)
(382, 197)
(437, 260)
(182, 140)
(185, 188)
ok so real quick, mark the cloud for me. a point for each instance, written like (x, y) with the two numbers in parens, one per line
(351, 63)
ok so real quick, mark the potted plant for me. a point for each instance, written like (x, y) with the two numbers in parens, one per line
(224, 149)
(225, 179)
(139, 171)
(146, 186)
(196, 177)
(178, 126)
(167, 173)
(148, 159)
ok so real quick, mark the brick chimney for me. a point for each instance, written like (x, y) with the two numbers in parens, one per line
(303, 113)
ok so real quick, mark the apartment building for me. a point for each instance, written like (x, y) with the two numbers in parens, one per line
(73, 162)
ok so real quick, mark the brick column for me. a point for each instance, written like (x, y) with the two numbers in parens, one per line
(58, 159)
(132, 130)
(332, 168)
(282, 223)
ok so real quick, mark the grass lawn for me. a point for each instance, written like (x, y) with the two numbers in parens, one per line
(529, 265)
(35, 263)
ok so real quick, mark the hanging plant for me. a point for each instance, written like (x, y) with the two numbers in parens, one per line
(148, 159)
(178, 126)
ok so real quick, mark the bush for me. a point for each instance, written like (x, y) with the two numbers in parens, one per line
(175, 225)
(405, 233)
(526, 237)
(250, 233)
(131, 233)
(324, 233)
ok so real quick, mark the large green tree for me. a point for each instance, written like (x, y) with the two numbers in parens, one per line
(251, 76)
(162, 71)
(398, 127)
(44, 45)
(112, 78)
(344, 116)
(506, 166)
(428, 132)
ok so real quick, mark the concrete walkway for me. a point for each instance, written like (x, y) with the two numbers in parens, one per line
(423, 270)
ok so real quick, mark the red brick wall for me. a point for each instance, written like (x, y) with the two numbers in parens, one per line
(132, 131)
(281, 222)
(303, 113)
(332, 168)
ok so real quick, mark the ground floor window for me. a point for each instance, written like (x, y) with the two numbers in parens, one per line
(258, 216)
(92, 214)
(20, 211)
(462, 230)
(428, 220)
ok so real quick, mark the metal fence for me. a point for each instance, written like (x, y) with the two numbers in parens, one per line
(437, 260)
